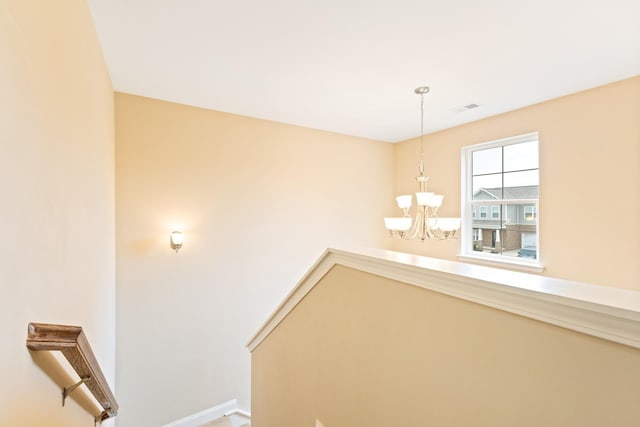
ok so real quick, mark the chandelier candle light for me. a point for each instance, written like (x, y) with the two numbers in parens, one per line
(426, 224)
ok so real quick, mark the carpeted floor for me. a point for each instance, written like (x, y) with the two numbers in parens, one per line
(222, 422)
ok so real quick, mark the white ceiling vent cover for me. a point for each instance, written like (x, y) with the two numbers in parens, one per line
(464, 108)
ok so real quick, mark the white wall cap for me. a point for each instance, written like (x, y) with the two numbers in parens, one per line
(605, 312)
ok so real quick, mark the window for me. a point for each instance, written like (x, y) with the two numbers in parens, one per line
(501, 181)
(495, 212)
(530, 213)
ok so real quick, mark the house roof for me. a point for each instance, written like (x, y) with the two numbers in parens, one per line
(522, 192)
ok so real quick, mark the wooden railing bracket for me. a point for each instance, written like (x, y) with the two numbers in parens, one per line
(66, 391)
(100, 418)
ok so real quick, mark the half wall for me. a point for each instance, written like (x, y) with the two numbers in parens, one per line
(352, 346)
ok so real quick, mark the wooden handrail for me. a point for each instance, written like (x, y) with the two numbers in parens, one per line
(72, 342)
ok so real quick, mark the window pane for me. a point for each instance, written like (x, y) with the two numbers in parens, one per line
(487, 187)
(521, 156)
(487, 161)
(521, 185)
(514, 234)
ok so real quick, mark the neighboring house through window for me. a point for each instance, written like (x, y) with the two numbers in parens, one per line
(501, 182)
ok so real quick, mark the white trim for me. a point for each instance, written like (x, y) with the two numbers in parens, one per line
(240, 413)
(605, 312)
(492, 202)
(502, 142)
(221, 410)
(501, 261)
(238, 418)
(313, 276)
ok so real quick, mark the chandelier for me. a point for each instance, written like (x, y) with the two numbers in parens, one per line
(426, 224)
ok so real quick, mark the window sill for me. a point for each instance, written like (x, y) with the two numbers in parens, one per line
(531, 267)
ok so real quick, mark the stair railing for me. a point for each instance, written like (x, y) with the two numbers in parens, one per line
(74, 346)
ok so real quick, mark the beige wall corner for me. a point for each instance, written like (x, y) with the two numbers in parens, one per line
(363, 350)
(589, 180)
(257, 202)
(57, 260)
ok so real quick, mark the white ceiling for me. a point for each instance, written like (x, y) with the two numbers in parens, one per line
(350, 66)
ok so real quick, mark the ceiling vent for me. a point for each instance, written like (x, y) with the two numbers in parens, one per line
(464, 108)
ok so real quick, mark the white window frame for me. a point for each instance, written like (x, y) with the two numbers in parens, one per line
(484, 212)
(466, 245)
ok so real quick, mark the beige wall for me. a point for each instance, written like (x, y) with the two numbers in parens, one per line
(589, 180)
(361, 350)
(258, 202)
(57, 259)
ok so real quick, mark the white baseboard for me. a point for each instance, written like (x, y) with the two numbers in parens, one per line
(239, 417)
(229, 408)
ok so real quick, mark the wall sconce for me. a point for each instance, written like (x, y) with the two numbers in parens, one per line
(176, 240)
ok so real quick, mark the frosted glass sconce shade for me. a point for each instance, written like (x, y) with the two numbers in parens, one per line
(177, 238)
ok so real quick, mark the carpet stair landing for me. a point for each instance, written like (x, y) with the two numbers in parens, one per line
(223, 422)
